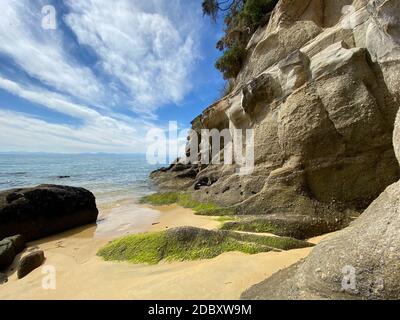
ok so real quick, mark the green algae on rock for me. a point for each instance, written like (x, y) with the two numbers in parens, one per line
(189, 243)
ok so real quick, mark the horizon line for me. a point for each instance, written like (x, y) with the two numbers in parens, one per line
(72, 153)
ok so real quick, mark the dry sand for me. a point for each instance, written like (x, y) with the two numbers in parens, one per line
(80, 274)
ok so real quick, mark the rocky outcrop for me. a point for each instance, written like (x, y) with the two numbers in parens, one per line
(45, 210)
(359, 262)
(177, 176)
(29, 263)
(320, 89)
(191, 243)
(9, 248)
(288, 225)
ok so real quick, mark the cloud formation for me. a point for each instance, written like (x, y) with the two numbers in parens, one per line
(139, 45)
(40, 53)
(97, 132)
(142, 54)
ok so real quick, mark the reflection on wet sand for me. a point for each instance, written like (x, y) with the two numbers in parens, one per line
(123, 217)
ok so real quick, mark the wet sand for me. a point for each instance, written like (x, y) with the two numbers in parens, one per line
(174, 216)
(80, 274)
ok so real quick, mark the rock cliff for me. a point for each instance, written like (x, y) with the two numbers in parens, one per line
(320, 88)
(360, 262)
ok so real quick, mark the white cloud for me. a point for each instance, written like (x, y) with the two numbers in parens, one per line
(22, 132)
(48, 99)
(148, 47)
(145, 51)
(40, 52)
(107, 133)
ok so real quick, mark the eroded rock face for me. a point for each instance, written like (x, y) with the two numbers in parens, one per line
(360, 262)
(45, 210)
(321, 89)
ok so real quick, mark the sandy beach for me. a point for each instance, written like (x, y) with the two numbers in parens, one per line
(80, 274)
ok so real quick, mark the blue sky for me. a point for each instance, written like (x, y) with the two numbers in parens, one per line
(108, 74)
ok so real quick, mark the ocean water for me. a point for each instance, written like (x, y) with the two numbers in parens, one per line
(117, 181)
(109, 177)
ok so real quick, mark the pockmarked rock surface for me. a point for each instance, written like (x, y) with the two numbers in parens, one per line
(320, 88)
(45, 210)
(361, 261)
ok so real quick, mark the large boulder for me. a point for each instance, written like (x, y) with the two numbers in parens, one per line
(45, 210)
(359, 262)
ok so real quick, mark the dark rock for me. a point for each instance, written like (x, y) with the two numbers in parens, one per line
(205, 181)
(45, 210)
(180, 167)
(189, 173)
(9, 248)
(64, 177)
(168, 180)
(30, 263)
(18, 243)
(3, 278)
(7, 254)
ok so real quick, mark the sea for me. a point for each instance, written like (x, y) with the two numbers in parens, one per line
(117, 181)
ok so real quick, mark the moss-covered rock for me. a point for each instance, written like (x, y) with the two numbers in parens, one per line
(186, 201)
(189, 243)
(296, 226)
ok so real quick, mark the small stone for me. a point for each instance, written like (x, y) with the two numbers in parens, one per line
(30, 263)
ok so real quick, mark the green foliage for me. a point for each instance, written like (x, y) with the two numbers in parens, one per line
(231, 62)
(151, 248)
(216, 211)
(258, 225)
(184, 200)
(140, 248)
(210, 8)
(160, 199)
(254, 11)
(190, 244)
(281, 243)
(242, 18)
(224, 218)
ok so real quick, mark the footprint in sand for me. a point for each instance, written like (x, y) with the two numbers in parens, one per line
(60, 244)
